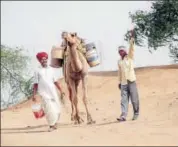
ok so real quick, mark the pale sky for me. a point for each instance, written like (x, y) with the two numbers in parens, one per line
(37, 26)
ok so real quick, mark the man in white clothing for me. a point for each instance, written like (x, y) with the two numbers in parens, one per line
(46, 83)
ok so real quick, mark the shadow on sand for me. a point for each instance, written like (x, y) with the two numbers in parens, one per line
(29, 128)
(70, 125)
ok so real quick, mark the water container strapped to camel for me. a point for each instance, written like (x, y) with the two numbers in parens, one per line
(57, 56)
(92, 55)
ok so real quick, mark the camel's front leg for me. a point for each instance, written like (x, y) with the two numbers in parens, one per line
(72, 105)
(84, 85)
(77, 118)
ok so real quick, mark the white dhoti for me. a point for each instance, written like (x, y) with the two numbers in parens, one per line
(52, 111)
(50, 99)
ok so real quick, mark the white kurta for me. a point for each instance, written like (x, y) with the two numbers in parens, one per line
(45, 79)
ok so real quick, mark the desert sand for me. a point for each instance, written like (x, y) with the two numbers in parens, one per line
(157, 124)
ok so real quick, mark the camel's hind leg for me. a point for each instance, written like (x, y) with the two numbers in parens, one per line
(84, 86)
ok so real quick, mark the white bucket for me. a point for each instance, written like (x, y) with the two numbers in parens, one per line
(38, 111)
(36, 107)
(92, 55)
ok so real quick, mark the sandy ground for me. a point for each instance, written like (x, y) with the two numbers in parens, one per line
(157, 124)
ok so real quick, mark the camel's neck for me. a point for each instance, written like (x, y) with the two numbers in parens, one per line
(74, 57)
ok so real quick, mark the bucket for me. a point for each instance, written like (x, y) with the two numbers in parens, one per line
(56, 63)
(92, 55)
(38, 111)
(57, 57)
(57, 53)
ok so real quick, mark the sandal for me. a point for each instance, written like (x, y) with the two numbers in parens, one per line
(121, 119)
(51, 128)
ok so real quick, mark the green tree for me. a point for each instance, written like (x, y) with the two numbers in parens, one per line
(157, 28)
(16, 82)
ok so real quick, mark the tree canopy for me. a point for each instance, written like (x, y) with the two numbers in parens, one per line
(157, 28)
(15, 79)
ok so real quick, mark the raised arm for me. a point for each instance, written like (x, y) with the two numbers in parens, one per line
(131, 49)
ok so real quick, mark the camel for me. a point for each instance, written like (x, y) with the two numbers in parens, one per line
(76, 70)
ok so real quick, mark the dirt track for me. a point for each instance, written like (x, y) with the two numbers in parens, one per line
(157, 124)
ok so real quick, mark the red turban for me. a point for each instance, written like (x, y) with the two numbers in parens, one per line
(40, 55)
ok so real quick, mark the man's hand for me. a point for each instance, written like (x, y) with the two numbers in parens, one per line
(62, 97)
(131, 40)
(119, 86)
(34, 99)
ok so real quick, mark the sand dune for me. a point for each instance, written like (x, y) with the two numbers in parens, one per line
(157, 124)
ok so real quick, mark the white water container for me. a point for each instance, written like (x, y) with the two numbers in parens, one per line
(92, 55)
(37, 111)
